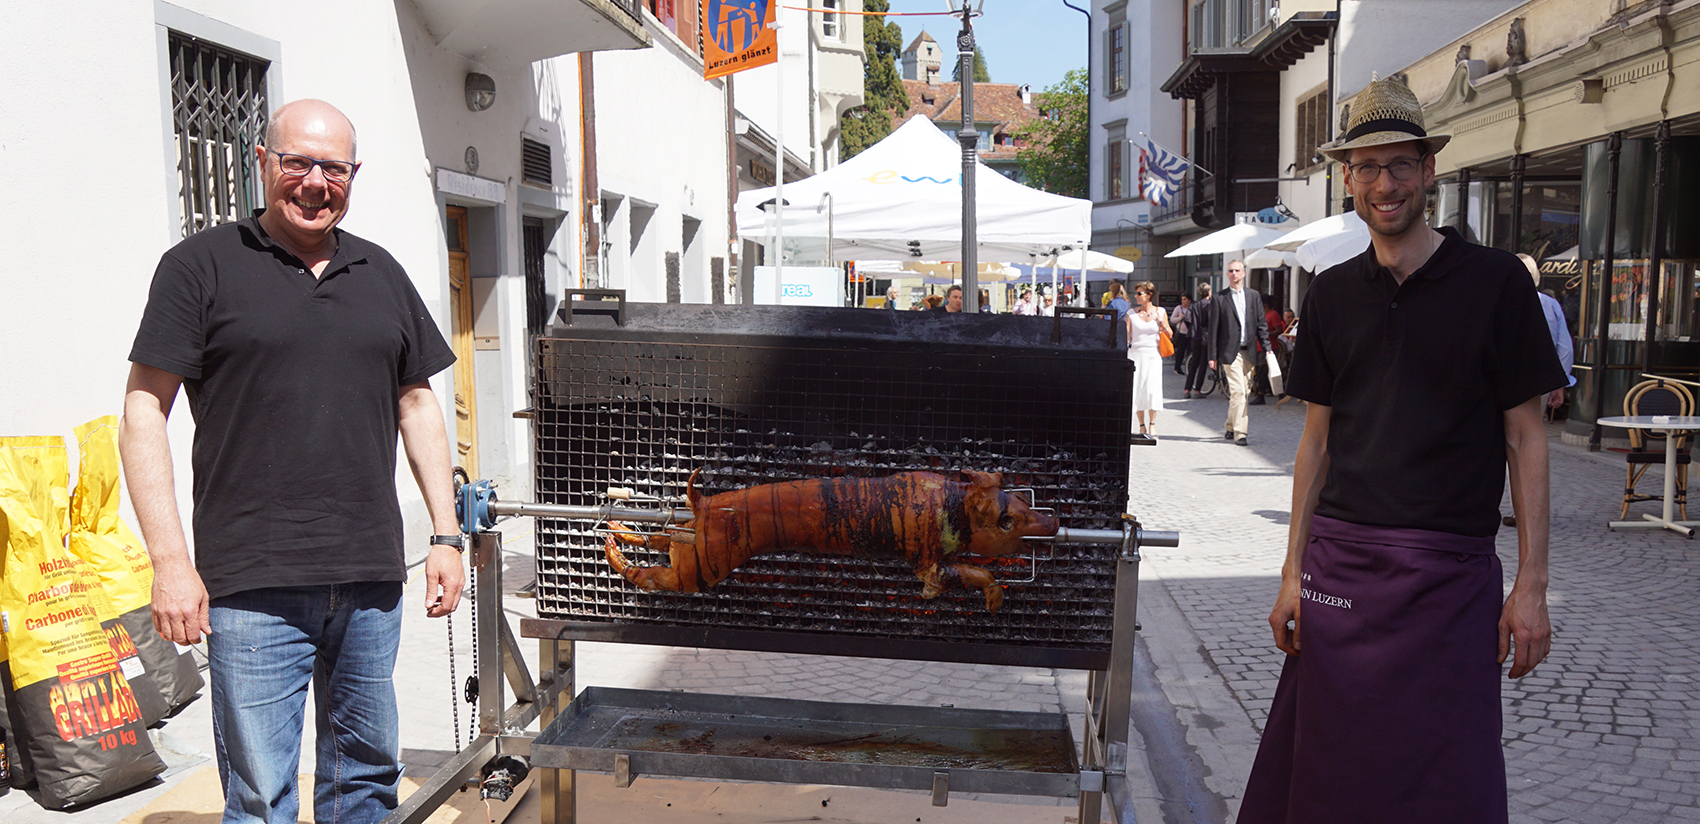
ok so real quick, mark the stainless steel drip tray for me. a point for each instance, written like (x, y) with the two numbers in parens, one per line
(812, 742)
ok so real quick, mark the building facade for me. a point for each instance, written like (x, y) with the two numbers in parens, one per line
(1559, 108)
(1134, 44)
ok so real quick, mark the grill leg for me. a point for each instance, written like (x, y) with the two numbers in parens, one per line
(1112, 693)
(556, 788)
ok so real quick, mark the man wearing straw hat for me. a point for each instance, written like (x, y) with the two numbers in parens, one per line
(1425, 361)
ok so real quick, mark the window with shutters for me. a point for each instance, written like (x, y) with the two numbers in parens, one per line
(1310, 128)
(1116, 54)
(218, 116)
(1115, 181)
(536, 162)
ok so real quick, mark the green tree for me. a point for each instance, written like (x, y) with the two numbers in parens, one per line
(883, 93)
(981, 75)
(1053, 152)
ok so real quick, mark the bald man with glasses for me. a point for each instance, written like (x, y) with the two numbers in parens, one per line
(304, 352)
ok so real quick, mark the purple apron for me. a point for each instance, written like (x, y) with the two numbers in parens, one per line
(1390, 713)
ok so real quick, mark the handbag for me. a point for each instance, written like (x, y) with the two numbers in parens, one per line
(1165, 346)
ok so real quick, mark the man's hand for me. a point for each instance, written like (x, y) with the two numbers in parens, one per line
(1286, 611)
(1212, 364)
(179, 603)
(1523, 625)
(1555, 399)
(444, 579)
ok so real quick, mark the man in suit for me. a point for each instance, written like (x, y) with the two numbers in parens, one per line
(1237, 327)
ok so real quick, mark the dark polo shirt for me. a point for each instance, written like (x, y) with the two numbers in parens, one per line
(294, 384)
(1419, 376)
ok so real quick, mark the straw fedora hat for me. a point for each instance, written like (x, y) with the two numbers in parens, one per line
(1384, 112)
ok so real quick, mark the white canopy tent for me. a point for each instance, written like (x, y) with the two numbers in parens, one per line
(901, 199)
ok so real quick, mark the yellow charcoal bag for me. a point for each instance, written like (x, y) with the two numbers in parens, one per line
(75, 713)
(162, 677)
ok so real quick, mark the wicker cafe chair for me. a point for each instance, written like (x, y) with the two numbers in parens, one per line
(1647, 446)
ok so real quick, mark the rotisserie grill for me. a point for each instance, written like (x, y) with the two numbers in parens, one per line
(755, 395)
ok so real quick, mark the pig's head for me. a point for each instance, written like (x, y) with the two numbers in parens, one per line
(997, 520)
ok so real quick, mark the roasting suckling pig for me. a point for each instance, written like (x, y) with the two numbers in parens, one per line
(925, 518)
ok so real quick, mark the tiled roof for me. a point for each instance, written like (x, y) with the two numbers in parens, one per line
(917, 41)
(997, 103)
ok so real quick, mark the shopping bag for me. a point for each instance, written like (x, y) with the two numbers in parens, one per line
(163, 678)
(72, 708)
(1276, 384)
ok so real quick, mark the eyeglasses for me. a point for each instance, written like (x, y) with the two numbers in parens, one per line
(296, 165)
(1401, 169)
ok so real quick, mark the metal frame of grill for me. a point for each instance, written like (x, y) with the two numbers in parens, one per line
(640, 396)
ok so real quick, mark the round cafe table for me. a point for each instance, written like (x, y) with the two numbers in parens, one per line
(1664, 423)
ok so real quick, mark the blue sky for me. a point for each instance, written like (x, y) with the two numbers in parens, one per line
(1025, 41)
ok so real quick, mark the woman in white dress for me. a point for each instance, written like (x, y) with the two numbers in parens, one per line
(1145, 322)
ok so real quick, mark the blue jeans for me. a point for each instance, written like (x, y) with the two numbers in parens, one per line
(265, 645)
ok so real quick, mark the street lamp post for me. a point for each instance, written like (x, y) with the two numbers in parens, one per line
(970, 140)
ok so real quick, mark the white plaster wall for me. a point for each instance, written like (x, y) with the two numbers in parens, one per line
(85, 221)
(755, 91)
(661, 139)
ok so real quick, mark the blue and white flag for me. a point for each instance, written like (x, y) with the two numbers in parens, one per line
(1164, 173)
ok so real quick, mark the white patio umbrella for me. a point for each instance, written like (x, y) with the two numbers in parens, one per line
(1237, 238)
(1348, 222)
(1325, 252)
(1269, 258)
(953, 269)
(1078, 259)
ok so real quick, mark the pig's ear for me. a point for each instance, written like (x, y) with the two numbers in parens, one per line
(983, 480)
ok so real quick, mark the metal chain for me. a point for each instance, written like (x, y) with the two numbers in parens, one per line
(454, 682)
(472, 722)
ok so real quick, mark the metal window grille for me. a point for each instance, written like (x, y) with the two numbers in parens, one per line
(535, 162)
(535, 236)
(218, 114)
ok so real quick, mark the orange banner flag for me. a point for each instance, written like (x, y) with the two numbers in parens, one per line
(737, 36)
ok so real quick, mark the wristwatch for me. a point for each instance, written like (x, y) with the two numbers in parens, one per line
(456, 541)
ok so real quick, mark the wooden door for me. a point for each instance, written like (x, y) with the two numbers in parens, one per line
(460, 300)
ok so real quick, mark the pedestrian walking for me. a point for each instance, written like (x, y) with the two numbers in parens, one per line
(1145, 324)
(1238, 332)
(1425, 361)
(1181, 318)
(1118, 300)
(1200, 356)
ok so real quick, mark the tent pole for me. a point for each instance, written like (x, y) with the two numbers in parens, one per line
(779, 161)
(970, 140)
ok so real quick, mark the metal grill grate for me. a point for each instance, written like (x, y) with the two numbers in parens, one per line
(643, 410)
(218, 114)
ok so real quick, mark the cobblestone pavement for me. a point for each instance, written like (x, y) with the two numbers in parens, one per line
(1604, 730)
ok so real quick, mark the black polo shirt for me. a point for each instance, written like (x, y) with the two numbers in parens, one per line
(294, 384)
(1419, 376)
